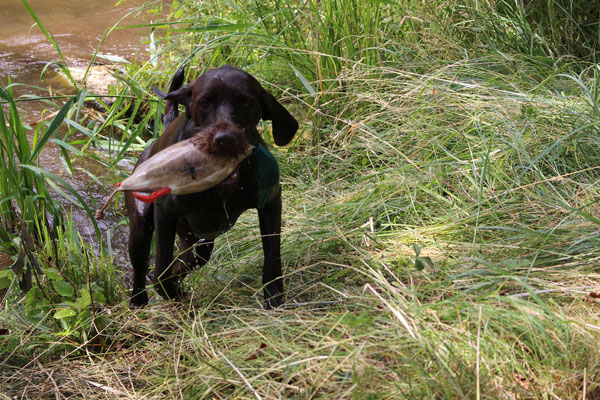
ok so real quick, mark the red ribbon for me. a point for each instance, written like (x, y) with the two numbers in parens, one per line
(152, 196)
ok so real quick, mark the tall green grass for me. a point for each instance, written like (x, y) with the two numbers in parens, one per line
(25, 198)
(553, 29)
(58, 284)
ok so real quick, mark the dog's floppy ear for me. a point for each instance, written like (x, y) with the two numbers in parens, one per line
(171, 106)
(284, 125)
(176, 83)
(182, 96)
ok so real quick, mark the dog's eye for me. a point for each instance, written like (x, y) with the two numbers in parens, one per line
(204, 103)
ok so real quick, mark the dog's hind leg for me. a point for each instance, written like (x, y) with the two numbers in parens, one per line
(193, 253)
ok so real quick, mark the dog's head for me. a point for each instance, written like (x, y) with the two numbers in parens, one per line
(224, 107)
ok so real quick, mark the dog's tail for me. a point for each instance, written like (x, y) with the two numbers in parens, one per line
(171, 107)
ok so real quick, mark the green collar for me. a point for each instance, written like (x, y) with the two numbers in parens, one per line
(267, 173)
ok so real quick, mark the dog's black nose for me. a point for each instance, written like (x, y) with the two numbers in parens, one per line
(225, 140)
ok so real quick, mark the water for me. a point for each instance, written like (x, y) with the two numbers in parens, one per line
(78, 27)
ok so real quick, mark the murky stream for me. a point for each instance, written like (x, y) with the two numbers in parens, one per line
(78, 27)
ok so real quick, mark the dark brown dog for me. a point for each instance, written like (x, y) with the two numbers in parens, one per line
(223, 106)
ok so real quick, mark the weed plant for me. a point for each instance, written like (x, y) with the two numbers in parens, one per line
(60, 276)
(440, 234)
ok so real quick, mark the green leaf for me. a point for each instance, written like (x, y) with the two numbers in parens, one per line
(81, 202)
(67, 146)
(4, 282)
(99, 297)
(63, 288)
(84, 299)
(84, 316)
(51, 39)
(33, 297)
(52, 274)
(65, 313)
(417, 249)
(304, 81)
(54, 124)
(421, 262)
(7, 274)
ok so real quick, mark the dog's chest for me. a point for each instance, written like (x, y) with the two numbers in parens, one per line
(210, 225)
(213, 212)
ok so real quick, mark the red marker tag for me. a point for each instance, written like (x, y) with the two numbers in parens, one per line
(152, 196)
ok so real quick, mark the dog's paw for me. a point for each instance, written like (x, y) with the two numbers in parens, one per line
(138, 299)
(274, 302)
(169, 289)
(273, 295)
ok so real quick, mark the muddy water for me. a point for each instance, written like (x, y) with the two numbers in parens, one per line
(78, 27)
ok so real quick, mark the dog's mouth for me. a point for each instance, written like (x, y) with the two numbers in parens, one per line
(232, 178)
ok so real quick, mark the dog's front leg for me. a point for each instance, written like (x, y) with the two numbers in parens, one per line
(165, 283)
(270, 230)
(141, 227)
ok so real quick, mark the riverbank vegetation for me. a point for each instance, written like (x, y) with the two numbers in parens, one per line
(440, 209)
